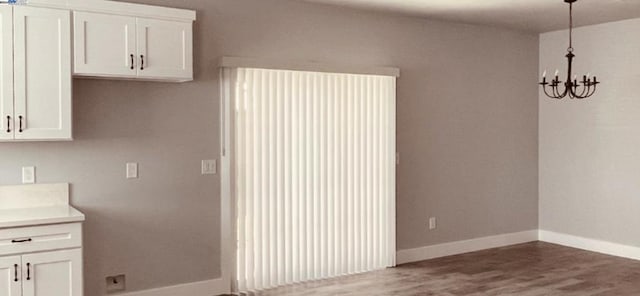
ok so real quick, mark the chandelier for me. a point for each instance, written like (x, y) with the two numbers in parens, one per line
(573, 88)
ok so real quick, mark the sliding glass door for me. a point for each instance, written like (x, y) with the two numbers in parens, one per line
(313, 174)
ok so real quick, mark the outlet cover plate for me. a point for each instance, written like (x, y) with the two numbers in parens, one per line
(29, 175)
(433, 223)
(209, 167)
(132, 170)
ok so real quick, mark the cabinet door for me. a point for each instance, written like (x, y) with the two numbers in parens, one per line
(42, 67)
(10, 281)
(6, 72)
(52, 274)
(165, 49)
(104, 45)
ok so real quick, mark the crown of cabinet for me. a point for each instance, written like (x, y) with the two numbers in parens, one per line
(119, 8)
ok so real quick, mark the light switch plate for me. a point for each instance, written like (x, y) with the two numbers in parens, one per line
(29, 175)
(132, 170)
(209, 167)
(433, 223)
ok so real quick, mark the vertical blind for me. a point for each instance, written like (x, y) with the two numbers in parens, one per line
(314, 169)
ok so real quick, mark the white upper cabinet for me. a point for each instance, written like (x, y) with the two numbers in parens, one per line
(6, 72)
(35, 70)
(105, 45)
(42, 74)
(165, 49)
(132, 47)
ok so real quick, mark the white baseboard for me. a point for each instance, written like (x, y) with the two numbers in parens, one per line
(465, 246)
(204, 288)
(589, 244)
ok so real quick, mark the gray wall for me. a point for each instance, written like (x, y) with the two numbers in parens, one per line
(589, 149)
(467, 135)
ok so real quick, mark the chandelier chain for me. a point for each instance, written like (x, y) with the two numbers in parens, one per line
(570, 49)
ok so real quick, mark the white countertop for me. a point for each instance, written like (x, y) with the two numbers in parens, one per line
(39, 215)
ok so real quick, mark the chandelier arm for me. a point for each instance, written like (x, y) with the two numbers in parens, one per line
(590, 91)
(586, 88)
(558, 94)
(574, 89)
(574, 92)
(544, 88)
(554, 88)
(595, 85)
(554, 91)
(567, 90)
(581, 96)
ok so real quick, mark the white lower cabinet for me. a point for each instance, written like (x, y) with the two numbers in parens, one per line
(10, 274)
(52, 273)
(42, 273)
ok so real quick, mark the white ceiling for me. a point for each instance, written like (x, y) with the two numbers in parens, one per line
(528, 15)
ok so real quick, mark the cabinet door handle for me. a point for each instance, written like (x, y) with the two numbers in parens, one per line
(15, 272)
(17, 241)
(132, 61)
(20, 119)
(141, 62)
(8, 124)
(28, 271)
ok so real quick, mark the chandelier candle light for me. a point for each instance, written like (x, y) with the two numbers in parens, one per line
(572, 87)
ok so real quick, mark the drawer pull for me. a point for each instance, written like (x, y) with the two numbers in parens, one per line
(28, 271)
(17, 241)
(15, 272)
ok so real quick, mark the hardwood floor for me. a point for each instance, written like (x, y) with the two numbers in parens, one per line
(525, 270)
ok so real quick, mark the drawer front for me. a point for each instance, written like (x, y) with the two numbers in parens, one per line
(40, 238)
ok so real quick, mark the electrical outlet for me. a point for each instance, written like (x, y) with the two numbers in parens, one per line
(433, 223)
(132, 170)
(116, 283)
(29, 175)
(209, 167)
